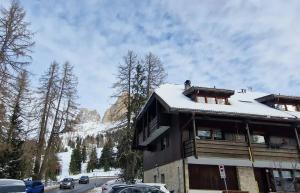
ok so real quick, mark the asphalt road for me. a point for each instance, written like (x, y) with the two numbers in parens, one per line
(81, 188)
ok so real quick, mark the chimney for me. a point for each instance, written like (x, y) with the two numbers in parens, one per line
(187, 84)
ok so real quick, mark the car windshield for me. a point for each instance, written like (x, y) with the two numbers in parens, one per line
(84, 177)
(67, 180)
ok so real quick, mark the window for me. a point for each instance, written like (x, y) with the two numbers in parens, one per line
(292, 108)
(155, 178)
(280, 107)
(221, 101)
(211, 100)
(217, 134)
(204, 133)
(258, 138)
(164, 143)
(283, 180)
(201, 99)
(162, 178)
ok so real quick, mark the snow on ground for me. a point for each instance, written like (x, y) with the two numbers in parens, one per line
(65, 158)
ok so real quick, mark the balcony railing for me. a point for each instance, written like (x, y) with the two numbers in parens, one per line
(263, 152)
(216, 148)
(234, 149)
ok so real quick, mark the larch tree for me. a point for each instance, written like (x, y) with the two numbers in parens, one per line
(93, 162)
(16, 41)
(47, 96)
(155, 73)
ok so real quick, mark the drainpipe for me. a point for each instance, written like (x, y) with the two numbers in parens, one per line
(249, 143)
(195, 140)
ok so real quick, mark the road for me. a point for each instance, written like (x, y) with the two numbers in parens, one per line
(81, 188)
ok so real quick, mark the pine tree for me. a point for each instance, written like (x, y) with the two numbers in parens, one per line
(92, 164)
(12, 158)
(83, 154)
(106, 159)
(75, 163)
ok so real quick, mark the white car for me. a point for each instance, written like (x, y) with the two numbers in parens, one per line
(161, 187)
(12, 186)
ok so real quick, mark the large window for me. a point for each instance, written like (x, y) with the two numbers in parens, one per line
(201, 99)
(207, 133)
(212, 100)
(291, 108)
(204, 133)
(280, 107)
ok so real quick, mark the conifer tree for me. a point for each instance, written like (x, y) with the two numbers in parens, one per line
(92, 164)
(106, 159)
(83, 154)
(75, 163)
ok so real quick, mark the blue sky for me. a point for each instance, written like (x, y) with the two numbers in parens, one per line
(230, 44)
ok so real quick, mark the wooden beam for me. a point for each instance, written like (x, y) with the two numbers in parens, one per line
(195, 142)
(249, 142)
(297, 138)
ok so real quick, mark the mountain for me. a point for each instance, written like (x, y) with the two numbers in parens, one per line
(116, 111)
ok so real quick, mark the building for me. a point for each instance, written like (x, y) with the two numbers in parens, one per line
(186, 132)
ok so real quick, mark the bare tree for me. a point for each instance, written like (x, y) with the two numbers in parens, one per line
(155, 73)
(124, 81)
(16, 40)
(67, 93)
(48, 94)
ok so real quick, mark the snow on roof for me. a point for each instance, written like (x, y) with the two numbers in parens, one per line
(240, 103)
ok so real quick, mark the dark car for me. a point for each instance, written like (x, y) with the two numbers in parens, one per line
(34, 187)
(67, 183)
(84, 180)
(140, 189)
(116, 188)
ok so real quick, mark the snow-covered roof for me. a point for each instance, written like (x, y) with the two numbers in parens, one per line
(240, 103)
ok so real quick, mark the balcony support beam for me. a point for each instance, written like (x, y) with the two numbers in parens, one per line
(195, 140)
(297, 138)
(249, 142)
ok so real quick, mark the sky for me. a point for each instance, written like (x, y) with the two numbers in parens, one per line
(230, 44)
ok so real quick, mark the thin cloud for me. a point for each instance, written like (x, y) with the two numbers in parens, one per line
(231, 44)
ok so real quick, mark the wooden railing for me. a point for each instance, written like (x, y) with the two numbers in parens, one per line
(263, 152)
(216, 148)
(233, 149)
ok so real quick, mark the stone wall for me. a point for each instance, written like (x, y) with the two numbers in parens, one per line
(247, 180)
(173, 173)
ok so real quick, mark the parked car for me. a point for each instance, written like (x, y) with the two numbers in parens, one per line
(107, 186)
(34, 187)
(67, 183)
(116, 188)
(140, 188)
(84, 180)
(161, 187)
(12, 186)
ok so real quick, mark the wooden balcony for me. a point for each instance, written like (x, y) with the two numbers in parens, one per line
(263, 152)
(216, 148)
(233, 149)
